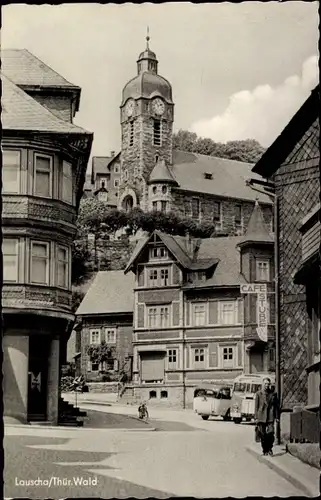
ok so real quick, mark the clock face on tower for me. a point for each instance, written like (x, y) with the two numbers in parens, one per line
(129, 108)
(158, 106)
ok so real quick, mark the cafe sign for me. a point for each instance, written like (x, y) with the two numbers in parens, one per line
(261, 291)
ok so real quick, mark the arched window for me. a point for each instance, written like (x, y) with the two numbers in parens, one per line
(128, 203)
(152, 394)
(164, 394)
(154, 189)
(164, 189)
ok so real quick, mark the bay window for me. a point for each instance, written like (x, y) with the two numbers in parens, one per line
(62, 267)
(10, 172)
(39, 269)
(10, 259)
(43, 176)
(66, 189)
(263, 311)
(263, 270)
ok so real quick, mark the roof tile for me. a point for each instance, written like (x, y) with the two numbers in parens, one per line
(22, 112)
(110, 292)
(24, 68)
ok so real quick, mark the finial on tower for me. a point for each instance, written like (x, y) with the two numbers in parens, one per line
(147, 39)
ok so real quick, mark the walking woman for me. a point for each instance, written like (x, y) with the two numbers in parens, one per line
(267, 411)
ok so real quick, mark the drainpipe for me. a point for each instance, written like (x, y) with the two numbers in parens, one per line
(277, 310)
(183, 360)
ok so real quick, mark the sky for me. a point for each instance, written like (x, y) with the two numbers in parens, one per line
(238, 71)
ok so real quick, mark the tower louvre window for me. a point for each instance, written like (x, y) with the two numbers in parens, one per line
(157, 133)
(131, 134)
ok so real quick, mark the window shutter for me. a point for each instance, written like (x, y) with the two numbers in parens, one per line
(140, 271)
(175, 309)
(187, 356)
(240, 354)
(240, 316)
(213, 312)
(175, 275)
(213, 355)
(140, 315)
(187, 312)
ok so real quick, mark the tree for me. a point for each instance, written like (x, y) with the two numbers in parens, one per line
(184, 140)
(98, 353)
(248, 150)
(80, 258)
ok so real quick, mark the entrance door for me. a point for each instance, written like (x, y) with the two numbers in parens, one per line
(37, 377)
(256, 362)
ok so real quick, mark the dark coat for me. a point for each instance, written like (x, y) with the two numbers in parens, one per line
(266, 407)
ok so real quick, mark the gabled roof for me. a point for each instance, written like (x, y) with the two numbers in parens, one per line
(228, 176)
(277, 153)
(111, 292)
(162, 173)
(220, 252)
(22, 112)
(25, 69)
(257, 231)
(100, 164)
(174, 244)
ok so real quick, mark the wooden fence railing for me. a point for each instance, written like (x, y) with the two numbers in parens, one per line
(305, 426)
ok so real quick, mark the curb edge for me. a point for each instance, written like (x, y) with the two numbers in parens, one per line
(283, 473)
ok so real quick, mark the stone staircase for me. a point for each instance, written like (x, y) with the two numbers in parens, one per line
(69, 415)
(128, 396)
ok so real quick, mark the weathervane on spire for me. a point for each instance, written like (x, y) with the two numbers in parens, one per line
(147, 39)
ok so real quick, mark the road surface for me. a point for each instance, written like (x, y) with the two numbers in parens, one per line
(200, 459)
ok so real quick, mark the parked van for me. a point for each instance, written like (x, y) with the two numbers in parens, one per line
(212, 402)
(243, 395)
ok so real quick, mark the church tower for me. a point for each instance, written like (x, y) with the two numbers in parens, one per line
(146, 116)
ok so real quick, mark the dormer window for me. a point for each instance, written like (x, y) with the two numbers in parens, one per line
(208, 175)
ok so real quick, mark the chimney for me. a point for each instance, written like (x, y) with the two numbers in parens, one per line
(196, 246)
(112, 154)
